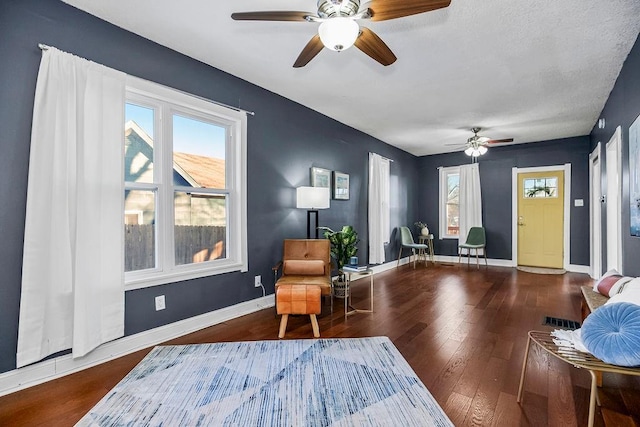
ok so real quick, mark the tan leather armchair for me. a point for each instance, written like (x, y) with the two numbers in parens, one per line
(305, 262)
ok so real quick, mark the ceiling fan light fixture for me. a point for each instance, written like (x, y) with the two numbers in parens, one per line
(475, 150)
(338, 33)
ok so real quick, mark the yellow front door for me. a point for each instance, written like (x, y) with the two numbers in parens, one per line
(541, 219)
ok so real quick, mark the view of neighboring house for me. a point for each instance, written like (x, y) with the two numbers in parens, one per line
(200, 218)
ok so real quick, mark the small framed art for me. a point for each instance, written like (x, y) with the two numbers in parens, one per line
(320, 177)
(340, 186)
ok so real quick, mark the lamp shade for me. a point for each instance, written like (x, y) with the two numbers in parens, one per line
(338, 33)
(312, 197)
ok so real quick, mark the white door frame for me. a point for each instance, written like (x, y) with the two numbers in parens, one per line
(595, 213)
(566, 168)
(614, 200)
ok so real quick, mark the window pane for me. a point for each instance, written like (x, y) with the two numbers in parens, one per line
(139, 230)
(200, 227)
(198, 153)
(453, 208)
(138, 143)
(540, 187)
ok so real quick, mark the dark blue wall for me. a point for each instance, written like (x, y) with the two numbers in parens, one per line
(285, 140)
(495, 181)
(621, 109)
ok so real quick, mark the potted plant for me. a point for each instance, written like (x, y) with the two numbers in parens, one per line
(344, 245)
(422, 228)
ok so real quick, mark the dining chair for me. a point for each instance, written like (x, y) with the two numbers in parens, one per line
(417, 249)
(476, 240)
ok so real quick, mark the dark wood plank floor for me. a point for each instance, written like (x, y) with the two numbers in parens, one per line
(462, 330)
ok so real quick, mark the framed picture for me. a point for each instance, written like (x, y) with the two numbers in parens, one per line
(340, 186)
(320, 177)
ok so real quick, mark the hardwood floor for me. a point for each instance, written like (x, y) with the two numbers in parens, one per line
(462, 330)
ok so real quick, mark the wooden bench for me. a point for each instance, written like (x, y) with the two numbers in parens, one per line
(590, 301)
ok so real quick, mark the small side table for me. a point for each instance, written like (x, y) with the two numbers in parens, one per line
(348, 309)
(429, 242)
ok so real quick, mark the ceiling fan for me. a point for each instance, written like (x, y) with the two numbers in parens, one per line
(338, 28)
(477, 145)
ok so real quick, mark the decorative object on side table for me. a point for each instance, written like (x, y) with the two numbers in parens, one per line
(340, 186)
(344, 245)
(422, 228)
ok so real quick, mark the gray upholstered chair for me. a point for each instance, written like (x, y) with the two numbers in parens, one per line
(417, 249)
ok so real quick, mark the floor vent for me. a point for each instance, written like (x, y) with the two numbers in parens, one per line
(560, 323)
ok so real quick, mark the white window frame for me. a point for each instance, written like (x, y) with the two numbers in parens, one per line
(166, 102)
(444, 172)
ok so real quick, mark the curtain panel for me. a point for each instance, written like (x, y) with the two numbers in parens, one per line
(379, 207)
(72, 278)
(470, 199)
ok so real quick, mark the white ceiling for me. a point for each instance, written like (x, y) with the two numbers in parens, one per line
(522, 69)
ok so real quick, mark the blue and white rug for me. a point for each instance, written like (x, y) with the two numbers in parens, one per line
(325, 382)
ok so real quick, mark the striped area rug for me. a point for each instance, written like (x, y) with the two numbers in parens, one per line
(325, 382)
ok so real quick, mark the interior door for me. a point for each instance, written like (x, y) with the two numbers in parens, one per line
(541, 219)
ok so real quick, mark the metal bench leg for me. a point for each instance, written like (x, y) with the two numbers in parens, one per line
(593, 397)
(524, 370)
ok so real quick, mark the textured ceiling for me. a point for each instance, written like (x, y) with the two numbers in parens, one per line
(522, 69)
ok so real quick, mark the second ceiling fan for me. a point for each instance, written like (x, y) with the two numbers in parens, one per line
(477, 145)
(338, 28)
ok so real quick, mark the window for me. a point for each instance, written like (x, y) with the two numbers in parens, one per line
(449, 202)
(184, 187)
(540, 187)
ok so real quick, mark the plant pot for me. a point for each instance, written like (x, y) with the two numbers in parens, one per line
(424, 231)
(340, 289)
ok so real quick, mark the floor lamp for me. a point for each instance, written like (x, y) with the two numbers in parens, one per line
(312, 199)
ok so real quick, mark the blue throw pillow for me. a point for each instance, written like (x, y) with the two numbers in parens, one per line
(612, 334)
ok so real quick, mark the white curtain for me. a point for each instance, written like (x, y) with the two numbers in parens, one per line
(72, 275)
(379, 206)
(470, 200)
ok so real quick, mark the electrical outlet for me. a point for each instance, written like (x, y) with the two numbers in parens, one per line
(160, 304)
(257, 281)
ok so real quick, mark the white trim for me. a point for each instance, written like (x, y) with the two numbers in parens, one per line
(453, 259)
(566, 168)
(595, 213)
(38, 373)
(615, 143)
(574, 268)
(167, 102)
(443, 173)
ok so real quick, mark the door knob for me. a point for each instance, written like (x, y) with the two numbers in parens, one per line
(520, 221)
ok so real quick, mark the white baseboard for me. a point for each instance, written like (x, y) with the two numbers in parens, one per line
(41, 372)
(453, 259)
(574, 268)
(38, 373)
